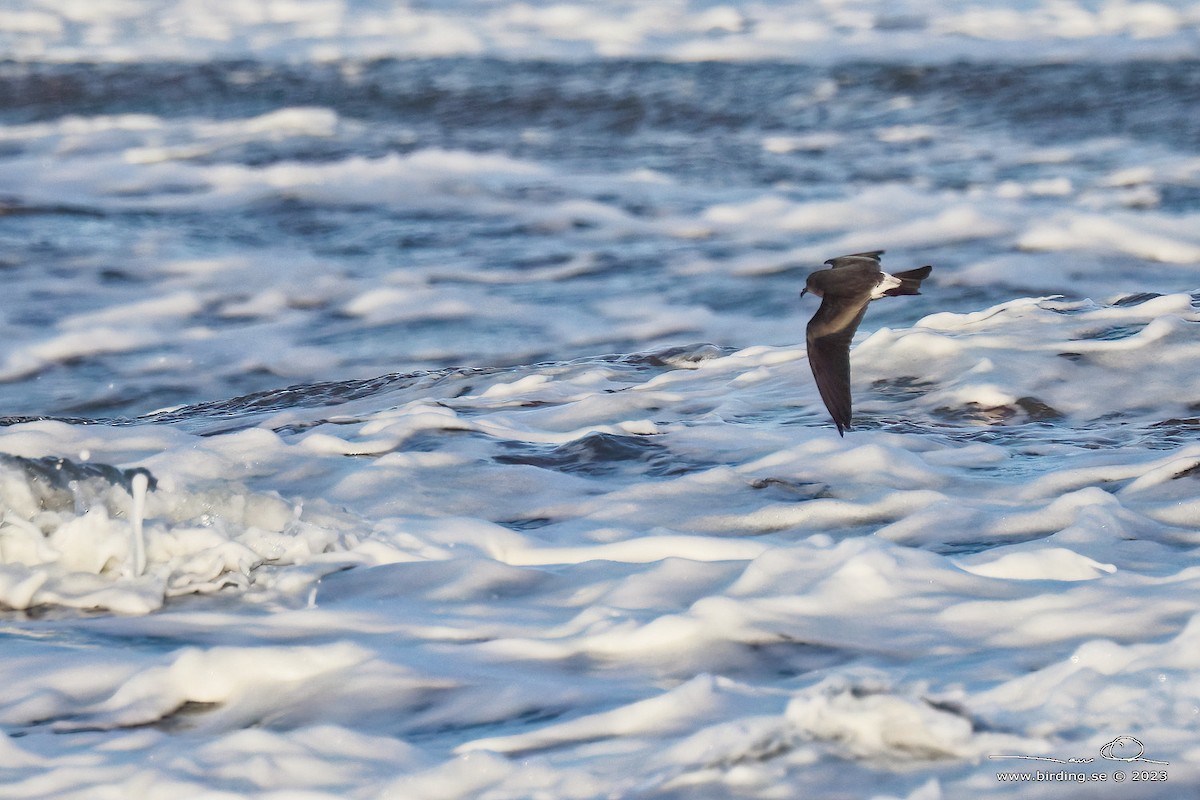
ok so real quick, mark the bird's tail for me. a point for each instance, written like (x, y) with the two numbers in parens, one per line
(910, 281)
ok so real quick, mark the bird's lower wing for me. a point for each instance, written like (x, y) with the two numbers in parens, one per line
(829, 358)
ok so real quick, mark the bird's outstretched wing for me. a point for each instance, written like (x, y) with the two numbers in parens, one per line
(870, 257)
(828, 336)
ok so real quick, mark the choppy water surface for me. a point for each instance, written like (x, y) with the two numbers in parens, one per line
(483, 455)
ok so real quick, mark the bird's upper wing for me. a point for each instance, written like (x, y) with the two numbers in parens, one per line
(871, 257)
(829, 334)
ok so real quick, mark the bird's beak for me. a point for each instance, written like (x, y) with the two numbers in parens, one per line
(804, 291)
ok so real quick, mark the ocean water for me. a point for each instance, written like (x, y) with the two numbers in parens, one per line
(410, 400)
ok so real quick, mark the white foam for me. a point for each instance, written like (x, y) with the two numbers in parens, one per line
(1046, 564)
(1175, 244)
(487, 620)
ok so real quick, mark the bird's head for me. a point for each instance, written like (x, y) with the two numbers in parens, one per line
(812, 286)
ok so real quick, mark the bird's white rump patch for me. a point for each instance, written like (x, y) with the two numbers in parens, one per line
(886, 282)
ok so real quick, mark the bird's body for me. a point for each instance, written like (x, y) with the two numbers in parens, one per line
(845, 289)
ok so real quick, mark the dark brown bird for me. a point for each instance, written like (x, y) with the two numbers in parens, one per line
(846, 289)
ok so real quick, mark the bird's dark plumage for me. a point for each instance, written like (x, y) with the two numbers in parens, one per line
(845, 289)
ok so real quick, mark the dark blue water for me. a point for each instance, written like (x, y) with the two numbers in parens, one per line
(702, 125)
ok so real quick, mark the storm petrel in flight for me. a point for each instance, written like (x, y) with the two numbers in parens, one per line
(845, 289)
